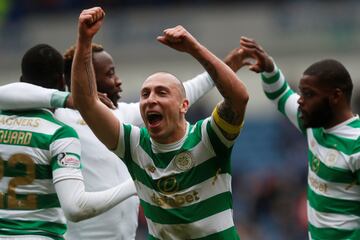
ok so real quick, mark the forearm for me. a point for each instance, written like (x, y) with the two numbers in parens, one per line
(99, 117)
(83, 85)
(230, 87)
(279, 92)
(27, 96)
(198, 86)
(80, 205)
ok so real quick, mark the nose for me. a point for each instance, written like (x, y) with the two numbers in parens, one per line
(152, 98)
(118, 82)
(300, 101)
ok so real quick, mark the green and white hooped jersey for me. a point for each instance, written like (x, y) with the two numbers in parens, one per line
(333, 192)
(36, 151)
(185, 193)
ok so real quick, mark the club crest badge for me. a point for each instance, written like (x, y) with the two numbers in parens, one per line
(331, 158)
(184, 161)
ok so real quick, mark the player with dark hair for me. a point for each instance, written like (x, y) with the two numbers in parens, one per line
(43, 63)
(182, 172)
(40, 169)
(322, 112)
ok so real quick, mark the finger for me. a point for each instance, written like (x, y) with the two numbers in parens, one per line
(93, 15)
(254, 68)
(105, 100)
(162, 39)
(246, 39)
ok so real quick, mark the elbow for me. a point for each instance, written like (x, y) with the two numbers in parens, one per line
(73, 217)
(73, 214)
(76, 214)
(243, 99)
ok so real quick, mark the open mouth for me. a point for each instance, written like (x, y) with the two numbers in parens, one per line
(154, 118)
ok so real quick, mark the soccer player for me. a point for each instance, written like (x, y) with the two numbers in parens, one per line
(182, 172)
(40, 169)
(121, 221)
(322, 112)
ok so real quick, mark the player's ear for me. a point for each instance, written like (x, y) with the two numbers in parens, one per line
(336, 96)
(184, 106)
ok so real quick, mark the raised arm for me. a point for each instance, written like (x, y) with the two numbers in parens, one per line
(201, 84)
(274, 84)
(235, 95)
(100, 119)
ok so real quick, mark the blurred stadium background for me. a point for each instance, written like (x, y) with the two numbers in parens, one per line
(269, 158)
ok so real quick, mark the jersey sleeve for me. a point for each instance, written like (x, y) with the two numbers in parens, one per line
(28, 96)
(78, 204)
(198, 86)
(65, 151)
(129, 113)
(277, 90)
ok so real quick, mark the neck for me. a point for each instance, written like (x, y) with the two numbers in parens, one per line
(339, 117)
(173, 137)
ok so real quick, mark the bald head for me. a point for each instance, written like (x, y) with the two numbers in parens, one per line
(166, 79)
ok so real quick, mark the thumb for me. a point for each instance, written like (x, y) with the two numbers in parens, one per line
(162, 40)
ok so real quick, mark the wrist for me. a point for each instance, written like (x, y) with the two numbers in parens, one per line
(271, 68)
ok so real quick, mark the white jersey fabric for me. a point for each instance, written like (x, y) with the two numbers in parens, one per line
(102, 169)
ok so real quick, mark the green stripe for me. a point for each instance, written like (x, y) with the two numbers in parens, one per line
(331, 141)
(228, 234)
(332, 205)
(41, 171)
(277, 93)
(159, 160)
(188, 214)
(150, 237)
(65, 132)
(32, 139)
(355, 124)
(162, 160)
(193, 176)
(58, 99)
(332, 233)
(43, 201)
(42, 228)
(134, 169)
(282, 101)
(330, 174)
(221, 150)
(186, 179)
(270, 80)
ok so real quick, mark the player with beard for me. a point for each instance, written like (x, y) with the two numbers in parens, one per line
(322, 112)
